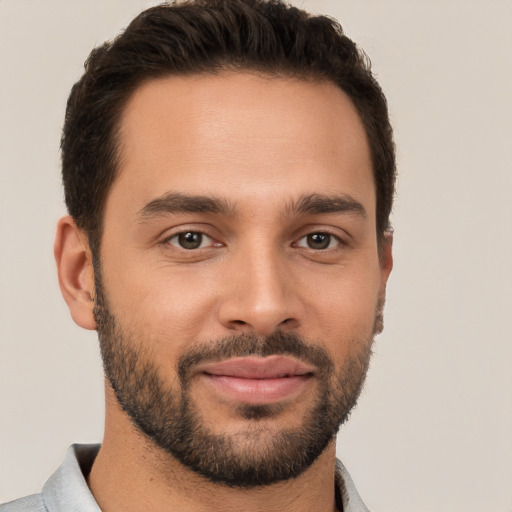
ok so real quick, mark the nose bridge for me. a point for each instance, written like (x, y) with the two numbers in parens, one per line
(262, 296)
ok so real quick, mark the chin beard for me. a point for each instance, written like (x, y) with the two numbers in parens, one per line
(258, 455)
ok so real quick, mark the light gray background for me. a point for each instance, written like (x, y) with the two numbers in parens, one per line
(433, 430)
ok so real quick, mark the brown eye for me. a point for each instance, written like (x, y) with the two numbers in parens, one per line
(190, 240)
(318, 241)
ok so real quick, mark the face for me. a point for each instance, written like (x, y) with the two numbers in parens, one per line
(239, 283)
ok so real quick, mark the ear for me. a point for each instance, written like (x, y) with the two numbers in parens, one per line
(76, 275)
(386, 265)
(386, 260)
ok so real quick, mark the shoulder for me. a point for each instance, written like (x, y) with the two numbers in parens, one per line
(33, 503)
(66, 489)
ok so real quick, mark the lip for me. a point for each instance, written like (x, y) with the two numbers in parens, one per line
(257, 380)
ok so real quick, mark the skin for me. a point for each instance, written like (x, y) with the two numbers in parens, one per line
(259, 144)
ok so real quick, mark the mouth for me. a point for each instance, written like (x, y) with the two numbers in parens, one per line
(257, 380)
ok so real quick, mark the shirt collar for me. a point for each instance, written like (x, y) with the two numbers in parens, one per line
(67, 490)
(346, 491)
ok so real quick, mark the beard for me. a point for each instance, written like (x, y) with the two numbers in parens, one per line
(166, 413)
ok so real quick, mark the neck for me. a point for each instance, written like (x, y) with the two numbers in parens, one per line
(132, 474)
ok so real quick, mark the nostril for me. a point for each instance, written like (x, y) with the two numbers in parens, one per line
(288, 323)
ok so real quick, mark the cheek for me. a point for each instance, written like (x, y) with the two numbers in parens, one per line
(346, 307)
(164, 306)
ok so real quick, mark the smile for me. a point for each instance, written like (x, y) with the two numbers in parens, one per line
(257, 380)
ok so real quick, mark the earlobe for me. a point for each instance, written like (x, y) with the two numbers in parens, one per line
(76, 275)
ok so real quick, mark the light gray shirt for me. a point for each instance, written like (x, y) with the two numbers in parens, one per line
(67, 491)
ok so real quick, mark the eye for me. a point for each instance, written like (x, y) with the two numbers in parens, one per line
(190, 240)
(318, 241)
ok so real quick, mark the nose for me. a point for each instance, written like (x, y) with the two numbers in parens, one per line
(260, 295)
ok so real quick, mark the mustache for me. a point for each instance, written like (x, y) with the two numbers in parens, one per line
(244, 345)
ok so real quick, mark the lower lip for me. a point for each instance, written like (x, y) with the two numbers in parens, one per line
(258, 391)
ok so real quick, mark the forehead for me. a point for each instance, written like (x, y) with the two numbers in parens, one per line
(241, 135)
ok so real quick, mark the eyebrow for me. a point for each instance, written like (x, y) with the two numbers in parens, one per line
(174, 202)
(311, 204)
(314, 204)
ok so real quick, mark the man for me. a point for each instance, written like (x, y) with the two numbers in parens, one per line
(229, 171)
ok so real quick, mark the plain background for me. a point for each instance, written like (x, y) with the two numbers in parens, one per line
(433, 430)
